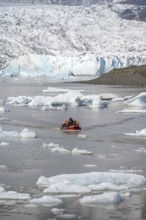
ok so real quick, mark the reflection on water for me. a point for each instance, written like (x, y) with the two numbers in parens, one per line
(102, 133)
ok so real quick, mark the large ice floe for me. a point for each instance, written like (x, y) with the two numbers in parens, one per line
(86, 183)
(25, 133)
(94, 188)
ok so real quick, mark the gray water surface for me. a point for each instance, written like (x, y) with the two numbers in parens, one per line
(26, 160)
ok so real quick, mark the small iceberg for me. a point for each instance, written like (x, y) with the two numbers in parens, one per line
(141, 133)
(139, 100)
(25, 133)
(81, 152)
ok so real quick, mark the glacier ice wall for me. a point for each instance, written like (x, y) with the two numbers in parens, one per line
(60, 66)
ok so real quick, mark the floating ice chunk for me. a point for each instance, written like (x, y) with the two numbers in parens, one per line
(141, 149)
(20, 100)
(26, 133)
(51, 145)
(136, 111)
(57, 211)
(98, 103)
(46, 201)
(9, 134)
(81, 152)
(3, 167)
(139, 100)
(15, 134)
(67, 216)
(3, 144)
(13, 195)
(93, 178)
(141, 133)
(108, 96)
(105, 198)
(82, 135)
(60, 150)
(3, 109)
(90, 165)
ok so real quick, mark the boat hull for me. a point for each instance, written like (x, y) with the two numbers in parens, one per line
(71, 128)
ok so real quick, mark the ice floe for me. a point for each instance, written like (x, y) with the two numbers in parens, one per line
(86, 182)
(25, 133)
(56, 148)
(51, 145)
(141, 133)
(13, 195)
(82, 152)
(82, 135)
(67, 216)
(105, 198)
(141, 150)
(3, 109)
(139, 100)
(46, 201)
(60, 150)
(90, 165)
(4, 144)
(136, 111)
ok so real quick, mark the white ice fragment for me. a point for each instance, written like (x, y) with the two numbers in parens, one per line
(3, 109)
(55, 90)
(57, 211)
(67, 216)
(81, 152)
(141, 133)
(51, 145)
(46, 201)
(133, 111)
(60, 150)
(82, 135)
(26, 133)
(139, 100)
(3, 144)
(105, 198)
(13, 195)
(90, 165)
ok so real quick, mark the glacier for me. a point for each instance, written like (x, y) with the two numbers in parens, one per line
(68, 41)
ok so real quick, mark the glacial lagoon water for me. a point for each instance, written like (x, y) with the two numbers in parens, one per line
(103, 133)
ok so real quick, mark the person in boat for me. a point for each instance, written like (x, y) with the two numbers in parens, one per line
(71, 121)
